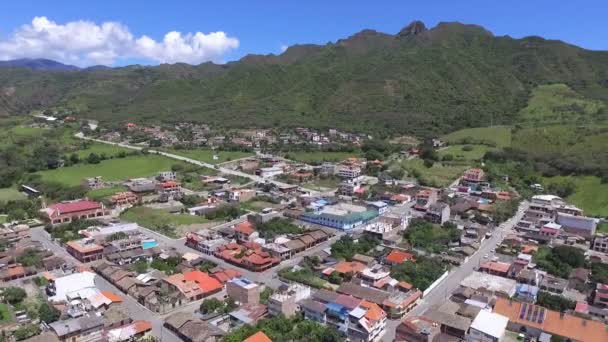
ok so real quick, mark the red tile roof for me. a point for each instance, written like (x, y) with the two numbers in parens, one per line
(349, 267)
(142, 326)
(205, 282)
(258, 337)
(399, 257)
(74, 207)
(244, 228)
(112, 296)
(501, 267)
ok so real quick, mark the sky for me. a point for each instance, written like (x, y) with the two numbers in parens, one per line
(121, 32)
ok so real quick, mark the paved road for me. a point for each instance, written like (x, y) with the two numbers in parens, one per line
(199, 163)
(442, 292)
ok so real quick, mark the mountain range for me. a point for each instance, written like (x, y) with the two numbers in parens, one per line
(419, 81)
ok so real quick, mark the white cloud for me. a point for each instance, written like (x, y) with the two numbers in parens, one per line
(284, 47)
(86, 43)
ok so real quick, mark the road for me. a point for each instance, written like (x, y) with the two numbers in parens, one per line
(199, 163)
(442, 292)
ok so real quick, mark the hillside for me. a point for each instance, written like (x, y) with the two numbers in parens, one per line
(418, 81)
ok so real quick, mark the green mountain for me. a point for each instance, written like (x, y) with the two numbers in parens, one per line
(417, 81)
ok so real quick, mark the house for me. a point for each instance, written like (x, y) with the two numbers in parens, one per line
(490, 283)
(248, 314)
(285, 301)
(193, 285)
(438, 213)
(258, 337)
(345, 267)
(245, 232)
(268, 172)
(379, 206)
(601, 295)
(343, 216)
(83, 329)
(169, 190)
(130, 332)
(495, 268)
(364, 259)
(313, 310)
(192, 329)
(577, 224)
(243, 291)
(165, 176)
(240, 195)
(553, 284)
(488, 327)
(474, 175)
(124, 198)
(85, 250)
(94, 182)
(417, 329)
(349, 171)
(424, 198)
(399, 257)
(526, 293)
(533, 320)
(449, 323)
(578, 278)
(367, 323)
(395, 304)
(66, 212)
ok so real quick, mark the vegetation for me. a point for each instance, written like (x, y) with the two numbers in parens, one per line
(559, 260)
(318, 157)
(599, 272)
(48, 313)
(265, 295)
(554, 302)
(225, 212)
(211, 305)
(305, 276)
(5, 313)
(278, 226)
(100, 194)
(13, 295)
(346, 247)
(282, 329)
(160, 220)
(31, 257)
(495, 136)
(430, 237)
(26, 331)
(421, 273)
(206, 155)
(168, 266)
(68, 232)
(8, 194)
(586, 192)
(437, 174)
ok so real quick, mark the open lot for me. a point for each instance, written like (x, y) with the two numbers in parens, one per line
(206, 155)
(589, 193)
(8, 194)
(158, 220)
(99, 194)
(98, 148)
(465, 152)
(498, 135)
(111, 169)
(438, 175)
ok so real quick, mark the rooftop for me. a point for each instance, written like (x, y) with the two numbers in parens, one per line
(489, 323)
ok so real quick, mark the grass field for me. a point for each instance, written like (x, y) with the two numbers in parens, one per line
(98, 148)
(5, 313)
(8, 194)
(318, 157)
(3, 218)
(458, 152)
(558, 104)
(438, 175)
(498, 135)
(156, 219)
(99, 194)
(602, 228)
(257, 205)
(110, 170)
(589, 195)
(206, 155)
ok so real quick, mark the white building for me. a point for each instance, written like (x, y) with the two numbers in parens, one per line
(488, 327)
(284, 302)
(349, 172)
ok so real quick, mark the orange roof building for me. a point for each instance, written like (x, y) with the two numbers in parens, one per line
(399, 257)
(112, 296)
(193, 285)
(258, 337)
(552, 322)
(84, 251)
(353, 267)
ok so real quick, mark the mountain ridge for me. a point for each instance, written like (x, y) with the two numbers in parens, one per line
(418, 81)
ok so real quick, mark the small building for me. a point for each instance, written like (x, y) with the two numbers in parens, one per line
(601, 295)
(243, 291)
(438, 213)
(124, 198)
(474, 175)
(87, 328)
(85, 250)
(165, 176)
(189, 328)
(488, 327)
(417, 329)
(240, 195)
(396, 257)
(94, 182)
(258, 337)
(285, 302)
(349, 171)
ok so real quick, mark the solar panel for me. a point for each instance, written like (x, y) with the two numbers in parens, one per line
(522, 313)
(529, 314)
(541, 317)
(535, 314)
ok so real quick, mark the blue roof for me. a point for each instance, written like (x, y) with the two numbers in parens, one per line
(334, 307)
(527, 289)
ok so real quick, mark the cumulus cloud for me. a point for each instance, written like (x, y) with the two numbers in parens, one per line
(87, 43)
(284, 47)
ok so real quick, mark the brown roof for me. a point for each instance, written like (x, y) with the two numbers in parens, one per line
(318, 234)
(294, 244)
(369, 294)
(565, 325)
(307, 239)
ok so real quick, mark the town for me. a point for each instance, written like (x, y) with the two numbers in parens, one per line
(188, 233)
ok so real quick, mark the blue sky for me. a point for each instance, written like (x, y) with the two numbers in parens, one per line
(264, 26)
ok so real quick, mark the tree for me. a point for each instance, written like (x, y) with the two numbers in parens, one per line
(14, 295)
(210, 305)
(140, 266)
(48, 313)
(335, 278)
(93, 158)
(229, 305)
(26, 331)
(265, 295)
(74, 159)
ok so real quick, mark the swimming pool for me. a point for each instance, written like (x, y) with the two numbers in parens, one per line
(483, 201)
(149, 244)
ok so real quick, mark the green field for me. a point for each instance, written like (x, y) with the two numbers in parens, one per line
(497, 135)
(476, 153)
(589, 194)
(110, 170)
(5, 313)
(8, 194)
(318, 157)
(98, 148)
(558, 104)
(602, 228)
(438, 175)
(3, 218)
(99, 194)
(206, 155)
(157, 219)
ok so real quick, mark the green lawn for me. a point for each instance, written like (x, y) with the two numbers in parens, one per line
(498, 135)
(318, 157)
(257, 205)
(156, 219)
(3, 218)
(206, 155)
(99, 194)
(602, 228)
(111, 169)
(589, 195)
(438, 175)
(5, 313)
(458, 152)
(8, 194)
(98, 148)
